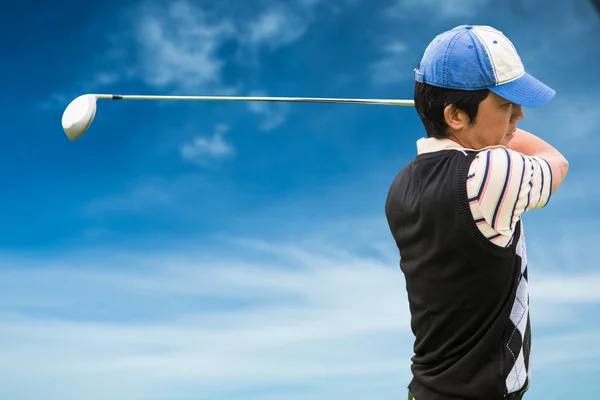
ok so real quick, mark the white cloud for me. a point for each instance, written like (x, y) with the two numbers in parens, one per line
(178, 47)
(577, 26)
(392, 67)
(211, 322)
(575, 351)
(203, 150)
(271, 28)
(59, 100)
(571, 123)
(567, 289)
(578, 188)
(202, 321)
(150, 193)
(104, 79)
(276, 27)
(572, 117)
(434, 9)
(147, 195)
(274, 114)
(310, 3)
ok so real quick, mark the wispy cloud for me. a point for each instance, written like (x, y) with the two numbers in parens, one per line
(181, 47)
(274, 114)
(392, 66)
(141, 196)
(203, 151)
(104, 79)
(433, 9)
(146, 195)
(563, 288)
(178, 47)
(196, 322)
(571, 126)
(259, 314)
(576, 189)
(183, 42)
(58, 100)
(578, 23)
(277, 26)
(271, 28)
(579, 350)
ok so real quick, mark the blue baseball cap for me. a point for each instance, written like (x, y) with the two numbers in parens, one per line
(474, 57)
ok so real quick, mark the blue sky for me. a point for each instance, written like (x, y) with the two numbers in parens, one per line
(240, 250)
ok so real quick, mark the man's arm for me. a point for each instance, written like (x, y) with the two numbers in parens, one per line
(504, 183)
(531, 145)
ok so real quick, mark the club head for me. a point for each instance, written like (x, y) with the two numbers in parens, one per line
(78, 116)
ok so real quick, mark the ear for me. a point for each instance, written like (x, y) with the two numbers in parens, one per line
(455, 118)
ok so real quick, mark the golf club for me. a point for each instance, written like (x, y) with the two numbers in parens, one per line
(80, 113)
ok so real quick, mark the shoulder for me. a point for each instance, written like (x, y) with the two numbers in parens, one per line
(505, 183)
(500, 167)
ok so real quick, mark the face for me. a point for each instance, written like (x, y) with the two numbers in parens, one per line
(495, 124)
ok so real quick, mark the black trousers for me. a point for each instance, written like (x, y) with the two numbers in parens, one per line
(513, 396)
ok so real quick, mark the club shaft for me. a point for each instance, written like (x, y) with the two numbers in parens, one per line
(266, 99)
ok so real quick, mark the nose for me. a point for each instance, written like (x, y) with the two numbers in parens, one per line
(518, 113)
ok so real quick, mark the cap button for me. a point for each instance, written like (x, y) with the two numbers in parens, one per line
(468, 27)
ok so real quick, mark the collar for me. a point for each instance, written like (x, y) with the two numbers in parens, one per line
(430, 145)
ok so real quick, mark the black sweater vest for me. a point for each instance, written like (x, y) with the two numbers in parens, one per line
(461, 287)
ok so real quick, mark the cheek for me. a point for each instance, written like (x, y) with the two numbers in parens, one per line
(502, 120)
(494, 126)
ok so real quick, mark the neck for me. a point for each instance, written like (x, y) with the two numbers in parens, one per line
(466, 141)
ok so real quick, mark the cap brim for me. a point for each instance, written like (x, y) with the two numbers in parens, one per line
(526, 91)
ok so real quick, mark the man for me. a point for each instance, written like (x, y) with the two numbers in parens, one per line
(455, 213)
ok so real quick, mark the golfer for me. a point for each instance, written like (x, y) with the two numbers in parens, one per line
(455, 212)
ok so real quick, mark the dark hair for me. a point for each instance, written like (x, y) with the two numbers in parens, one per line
(430, 102)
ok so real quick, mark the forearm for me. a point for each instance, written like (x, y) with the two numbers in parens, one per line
(531, 145)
